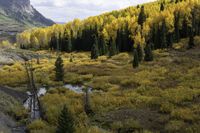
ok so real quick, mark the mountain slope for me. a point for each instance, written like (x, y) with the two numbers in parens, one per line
(18, 15)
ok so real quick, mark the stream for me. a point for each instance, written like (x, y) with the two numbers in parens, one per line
(34, 108)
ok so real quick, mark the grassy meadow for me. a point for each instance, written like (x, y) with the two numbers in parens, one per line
(159, 96)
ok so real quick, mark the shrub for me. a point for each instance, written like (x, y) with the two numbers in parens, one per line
(184, 114)
(37, 125)
(175, 126)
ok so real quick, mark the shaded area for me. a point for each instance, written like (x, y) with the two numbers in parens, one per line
(20, 96)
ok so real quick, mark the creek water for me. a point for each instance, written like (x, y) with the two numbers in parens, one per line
(34, 107)
(77, 88)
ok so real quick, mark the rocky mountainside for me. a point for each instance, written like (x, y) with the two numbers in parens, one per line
(17, 15)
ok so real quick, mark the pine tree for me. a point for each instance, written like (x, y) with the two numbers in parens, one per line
(176, 26)
(69, 45)
(191, 39)
(59, 69)
(65, 122)
(142, 17)
(119, 40)
(95, 50)
(170, 40)
(162, 7)
(184, 28)
(163, 35)
(148, 53)
(135, 59)
(52, 43)
(140, 53)
(112, 47)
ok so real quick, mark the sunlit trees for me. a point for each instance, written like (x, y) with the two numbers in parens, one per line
(161, 23)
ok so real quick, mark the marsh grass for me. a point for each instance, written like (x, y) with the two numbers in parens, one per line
(169, 86)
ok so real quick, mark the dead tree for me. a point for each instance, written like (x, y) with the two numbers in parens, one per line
(35, 103)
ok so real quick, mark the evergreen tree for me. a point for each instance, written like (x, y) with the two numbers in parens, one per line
(184, 28)
(148, 53)
(176, 26)
(119, 41)
(65, 122)
(141, 17)
(191, 39)
(112, 47)
(58, 43)
(170, 40)
(52, 43)
(154, 38)
(135, 59)
(59, 69)
(104, 47)
(69, 45)
(140, 53)
(162, 7)
(95, 50)
(163, 38)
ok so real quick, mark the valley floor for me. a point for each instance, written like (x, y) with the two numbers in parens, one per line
(159, 96)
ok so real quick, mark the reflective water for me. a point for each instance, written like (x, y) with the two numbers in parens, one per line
(34, 108)
(32, 105)
(77, 88)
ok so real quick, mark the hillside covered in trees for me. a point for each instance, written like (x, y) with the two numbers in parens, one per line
(158, 24)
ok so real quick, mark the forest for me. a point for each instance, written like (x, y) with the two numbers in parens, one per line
(158, 25)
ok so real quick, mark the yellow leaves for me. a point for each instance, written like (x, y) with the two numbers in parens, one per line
(105, 34)
(139, 39)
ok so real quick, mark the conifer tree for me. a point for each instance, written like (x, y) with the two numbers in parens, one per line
(59, 69)
(176, 26)
(140, 53)
(95, 50)
(135, 62)
(162, 7)
(184, 28)
(170, 40)
(191, 39)
(112, 47)
(148, 53)
(141, 17)
(163, 35)
(65, 122)
(119, 40)
(104, 47)
(52, 43)
(69, 45)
